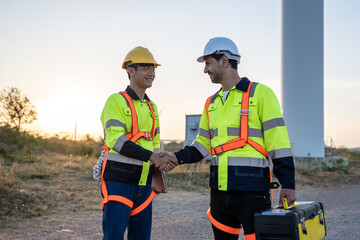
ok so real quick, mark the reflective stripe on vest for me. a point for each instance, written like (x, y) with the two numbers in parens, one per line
(118, 198)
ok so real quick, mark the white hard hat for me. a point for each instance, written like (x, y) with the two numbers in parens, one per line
(221, 45)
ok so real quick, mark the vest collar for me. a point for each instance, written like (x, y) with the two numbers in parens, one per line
(133, 95)
(243, 85)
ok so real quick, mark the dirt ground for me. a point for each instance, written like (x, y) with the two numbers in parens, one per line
(182, 215)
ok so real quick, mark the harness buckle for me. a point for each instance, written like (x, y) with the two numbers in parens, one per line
(222, 150)
(148, 136)
(245, 112)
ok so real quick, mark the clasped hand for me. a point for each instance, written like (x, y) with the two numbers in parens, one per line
(165, 161)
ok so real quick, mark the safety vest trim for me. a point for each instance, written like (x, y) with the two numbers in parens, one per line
(119, 143)
(232, 131)
(252, 89)
(204, 133)
(280, 153)
(277, 122)
(157, 131)
(114, 123)
(243, 161)
(213, 133)
(252, 132)
(123, 159)
(212, 99)
(202, 149)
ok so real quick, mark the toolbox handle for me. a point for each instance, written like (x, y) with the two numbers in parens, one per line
(285, 204)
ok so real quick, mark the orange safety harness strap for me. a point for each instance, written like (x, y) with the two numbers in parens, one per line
(144, 205)
(118, 198)
(133, 136)
(243, 139)
(221, 226)
(234, 144)
(250, 236)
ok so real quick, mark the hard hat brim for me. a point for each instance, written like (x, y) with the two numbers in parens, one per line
(232, 57)
(155, 64)
(202, 58)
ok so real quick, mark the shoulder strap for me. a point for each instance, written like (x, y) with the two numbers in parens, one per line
(135, 134)
(135, 128)
(244, 114)
(153, 115)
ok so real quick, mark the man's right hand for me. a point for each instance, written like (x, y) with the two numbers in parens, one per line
(165, 162)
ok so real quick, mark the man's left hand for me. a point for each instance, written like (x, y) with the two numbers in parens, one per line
(289, 194)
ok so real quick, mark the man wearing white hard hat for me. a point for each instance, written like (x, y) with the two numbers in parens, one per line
(242, 128)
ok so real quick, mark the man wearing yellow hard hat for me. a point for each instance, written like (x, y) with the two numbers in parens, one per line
(132, 143)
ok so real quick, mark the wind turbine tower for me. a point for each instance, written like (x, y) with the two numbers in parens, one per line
(303, 76)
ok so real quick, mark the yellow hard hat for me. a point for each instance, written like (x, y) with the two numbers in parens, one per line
(139, 55)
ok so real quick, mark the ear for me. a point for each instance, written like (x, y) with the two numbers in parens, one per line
(224, 60)
(130, 70)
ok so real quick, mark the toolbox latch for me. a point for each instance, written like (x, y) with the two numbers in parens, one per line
(321, 218)
(303, 226)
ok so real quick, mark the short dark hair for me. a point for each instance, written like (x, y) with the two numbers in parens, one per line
(232, 62)
(135, 66)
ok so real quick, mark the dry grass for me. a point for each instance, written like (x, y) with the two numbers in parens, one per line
(191, 177)
(52, 183)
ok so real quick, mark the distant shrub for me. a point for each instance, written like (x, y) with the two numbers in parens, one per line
(12, 136)
(173, 145)
(16, 146)
(85, 150)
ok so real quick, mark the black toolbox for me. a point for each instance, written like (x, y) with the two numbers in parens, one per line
(305, 221)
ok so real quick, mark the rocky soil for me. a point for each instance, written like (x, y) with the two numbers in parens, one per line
(182, 215)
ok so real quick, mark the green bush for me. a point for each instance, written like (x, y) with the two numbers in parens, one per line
(18, 146)
(12, 136)
(85, 150)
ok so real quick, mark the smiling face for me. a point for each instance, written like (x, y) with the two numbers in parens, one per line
(141, 76)
(214, 69)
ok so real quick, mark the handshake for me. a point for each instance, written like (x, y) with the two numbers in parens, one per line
(165, 161)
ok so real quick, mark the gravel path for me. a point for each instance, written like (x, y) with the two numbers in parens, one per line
(182, 215)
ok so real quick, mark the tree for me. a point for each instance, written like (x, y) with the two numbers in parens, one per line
(16, 109)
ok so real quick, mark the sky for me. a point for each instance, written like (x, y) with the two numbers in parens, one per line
(66, 57)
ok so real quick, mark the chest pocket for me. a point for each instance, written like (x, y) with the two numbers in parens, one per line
(254, 120)
(128, 116)
(214, 116)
